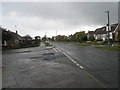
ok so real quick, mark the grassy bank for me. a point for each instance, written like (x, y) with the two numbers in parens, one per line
(108, 48)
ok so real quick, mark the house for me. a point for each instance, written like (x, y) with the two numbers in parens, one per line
(9, 38)
(27, 40)
(112, 31)
(100, 33)
(117, 33)
(15, 39)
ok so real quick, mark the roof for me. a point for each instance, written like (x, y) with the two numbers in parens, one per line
(90, 32)
(10, 34)
(113, 27)
(100, 31)
(117, 28)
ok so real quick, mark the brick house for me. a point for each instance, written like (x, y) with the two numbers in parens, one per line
(9, 38)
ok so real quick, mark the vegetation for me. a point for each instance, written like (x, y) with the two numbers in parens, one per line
(48, 44)
(108, 48)
(81, 44)
(77, 37)
(91, 38)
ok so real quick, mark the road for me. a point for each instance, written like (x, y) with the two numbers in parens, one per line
(102, 64)
(43, 67)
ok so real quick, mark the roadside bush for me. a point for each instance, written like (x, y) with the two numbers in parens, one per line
(91, 38)
(88, 41)
(98, 40)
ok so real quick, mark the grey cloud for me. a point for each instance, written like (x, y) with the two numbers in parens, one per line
(70, 12)
(58, 15)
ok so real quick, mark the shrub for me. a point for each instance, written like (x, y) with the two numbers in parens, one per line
(98, 40)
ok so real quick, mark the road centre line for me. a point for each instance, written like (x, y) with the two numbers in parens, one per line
(70, 59)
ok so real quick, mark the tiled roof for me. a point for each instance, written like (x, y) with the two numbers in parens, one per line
(100, 31)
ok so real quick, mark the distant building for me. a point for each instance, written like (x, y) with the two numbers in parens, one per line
(27, 40)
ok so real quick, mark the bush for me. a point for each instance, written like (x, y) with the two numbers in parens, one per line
(98, 40)
(88, 41)
(91, 38)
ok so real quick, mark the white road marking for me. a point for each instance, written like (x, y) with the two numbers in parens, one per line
(70, 59)
(55, 50)
(82, 68)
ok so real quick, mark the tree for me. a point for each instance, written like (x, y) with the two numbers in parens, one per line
(37, 39)
(91, 38)
(79, 37)
(44, 38)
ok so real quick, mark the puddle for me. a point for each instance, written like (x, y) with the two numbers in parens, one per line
(35, 57)
(48, 54)
(48, 48)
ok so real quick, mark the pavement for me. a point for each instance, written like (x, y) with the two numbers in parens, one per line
(43, 67)
(102, 64)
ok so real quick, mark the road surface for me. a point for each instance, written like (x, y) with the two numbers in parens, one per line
(102, 64)
(43, 67)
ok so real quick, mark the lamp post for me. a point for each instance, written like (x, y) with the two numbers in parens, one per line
(108, 24)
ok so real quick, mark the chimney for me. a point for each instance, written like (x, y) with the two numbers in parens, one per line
(16, 32)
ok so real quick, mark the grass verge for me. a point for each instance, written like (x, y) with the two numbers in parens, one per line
(108, 48)
(47, 44)
(81, 44)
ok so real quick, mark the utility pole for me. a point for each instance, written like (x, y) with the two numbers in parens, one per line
(45, 37)
(56, 35)
(108, 25)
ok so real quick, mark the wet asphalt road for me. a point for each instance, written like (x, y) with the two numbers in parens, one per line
(102, 64)
(43, 67)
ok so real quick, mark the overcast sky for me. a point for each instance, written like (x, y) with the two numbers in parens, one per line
(36, 18)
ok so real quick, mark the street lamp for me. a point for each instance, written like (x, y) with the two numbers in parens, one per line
(108, 27)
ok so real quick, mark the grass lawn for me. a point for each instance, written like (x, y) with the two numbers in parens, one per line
(108, 48)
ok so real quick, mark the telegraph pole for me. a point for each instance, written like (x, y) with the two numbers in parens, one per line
(108, 25)
(56, 35)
